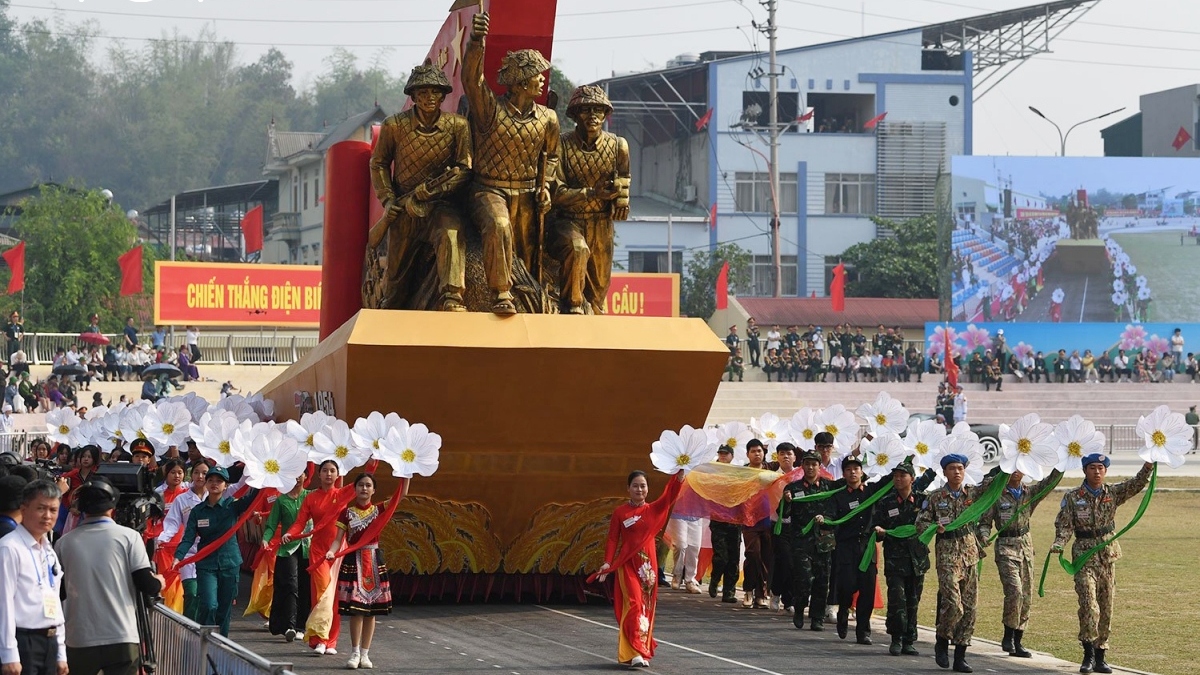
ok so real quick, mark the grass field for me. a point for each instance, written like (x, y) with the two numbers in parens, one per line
(1170, 270)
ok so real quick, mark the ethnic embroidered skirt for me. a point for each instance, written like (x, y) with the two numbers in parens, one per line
(363, 588)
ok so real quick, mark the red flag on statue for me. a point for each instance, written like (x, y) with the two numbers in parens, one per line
(704, 120)
(252, 229)
(1181, 139)
(723, 287)
(15, 257)
(131, 271)
(837, 289)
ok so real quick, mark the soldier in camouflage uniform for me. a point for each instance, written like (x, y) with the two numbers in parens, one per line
(592, 191)
(905, 561)
(958, 552)
(421, 162)
(1014, 553)
(1089, 514)
(516, 145)
(810, 552)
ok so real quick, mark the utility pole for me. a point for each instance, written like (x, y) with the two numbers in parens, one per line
(773, 164)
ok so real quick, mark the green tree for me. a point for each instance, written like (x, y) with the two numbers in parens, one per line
(698, 287)
(72, 241)
(904, 266)
(562, 87)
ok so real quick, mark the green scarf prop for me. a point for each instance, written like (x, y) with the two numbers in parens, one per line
(853, 512)
(1036, 498)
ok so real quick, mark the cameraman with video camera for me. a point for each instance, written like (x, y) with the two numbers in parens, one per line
(106, 568)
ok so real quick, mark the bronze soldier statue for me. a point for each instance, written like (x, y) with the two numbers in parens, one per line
(516, 155)
(420, 164)
(591, 192)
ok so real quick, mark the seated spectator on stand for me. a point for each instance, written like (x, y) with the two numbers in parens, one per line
(1151, 360)
(18, 362)
(124, 369)
(1140, 370)
(838, 367)
(877, 370)
(150, 390)
(771, 365)
(865, 369)
(1191, 367)
(1026, 367)
(1089, 366)
(189, 371)
(1121, 367)
(975, 369)
(816, 366)
(735, 365)
(111, 372)
(1061, 366)
(912, 364)
(993, 375)
(1104, 368)
(1075, 364)
(936, 365)
(1166, 367)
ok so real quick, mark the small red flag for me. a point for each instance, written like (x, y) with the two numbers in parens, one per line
(874, 121)
(837, 289)
(131, 271)
(704, 120)
(807, 116)
(15, 257)
(712, 215)
(1181, 139)
(723, 287)
(252, 229)
(951, 365)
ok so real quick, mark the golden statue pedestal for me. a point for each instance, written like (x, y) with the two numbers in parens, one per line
(1082, 256)
(542, 417)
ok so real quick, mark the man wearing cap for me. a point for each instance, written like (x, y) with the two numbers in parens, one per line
(726, 547)
(105, 564)
(905, 561)
(1014, 552)
(1089, 514)
(958, 552)
(421, 162)
(759, 555)
(516, 144)
(592, 191)
(732, 340)
(809, 552)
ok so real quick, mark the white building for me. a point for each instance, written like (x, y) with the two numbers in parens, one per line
(836, 174)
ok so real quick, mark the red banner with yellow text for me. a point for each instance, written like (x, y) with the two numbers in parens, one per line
(219, 294)
(632, 294)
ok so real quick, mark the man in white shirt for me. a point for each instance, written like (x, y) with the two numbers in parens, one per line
(32, 639)
(960, 405)
(174, 523)
(72, 356)
(773, 338)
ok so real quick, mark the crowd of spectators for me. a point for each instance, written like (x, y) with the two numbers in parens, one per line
(845, 354)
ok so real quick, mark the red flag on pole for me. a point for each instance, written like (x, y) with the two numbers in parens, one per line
(15, 257)
(252, 229)
(1181, 139)
(837, 289)
(723, 287)
(807, 116)
(704, 120)
(874, 121)
(712, 215)
(951, 365)
(131, 271)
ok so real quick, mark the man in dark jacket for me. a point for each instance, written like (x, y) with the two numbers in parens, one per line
(905, 560)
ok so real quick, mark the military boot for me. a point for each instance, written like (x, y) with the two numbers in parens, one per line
(895, 647)
(1007, 643)
(1018, 649)
(908, 649)
(1102, 665)
(1089, 658)
(960, 660)
(941, 653)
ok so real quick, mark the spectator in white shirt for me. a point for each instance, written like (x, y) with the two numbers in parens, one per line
(32, 639)
(773, 338)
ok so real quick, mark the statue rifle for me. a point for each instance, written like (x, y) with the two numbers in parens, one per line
(380, 228)
(539, 184)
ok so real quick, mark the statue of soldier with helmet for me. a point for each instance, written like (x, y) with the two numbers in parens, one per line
(591, 191)
(419, 168)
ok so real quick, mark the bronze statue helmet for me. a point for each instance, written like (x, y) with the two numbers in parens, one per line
(522, 66)
(588, 94)
(427, 75)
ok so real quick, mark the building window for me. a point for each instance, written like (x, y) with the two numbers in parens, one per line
(295, 193)
(752, 192)
(841, 113)
(317, 189)
(316, 249)
(654, 262)
(762, 276)
(850, 193)
(757, 113)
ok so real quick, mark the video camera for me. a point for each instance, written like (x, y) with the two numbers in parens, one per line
(138, 501)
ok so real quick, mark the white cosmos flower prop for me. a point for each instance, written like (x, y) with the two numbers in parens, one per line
(1028, 446)
(95, 412)
(735, 435)
(924, 441)
(167, 424)
(1058, 295)
(131, 424)
(804, 427)
(237, 405)
(885, 415)
(273, 460)
(1168, 437)
(840, 422)
(413, 449)
(1077, 438)
(336, 442)
(61, 425)
(674, 452)
(370, 431)
(108, 432)
(196, 405)
(214, 437)
(263, 407)
(770, 430)
(882, 453)
(307, 429)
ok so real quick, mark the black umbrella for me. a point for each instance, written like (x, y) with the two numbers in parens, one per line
(70, 369)
(153, 371)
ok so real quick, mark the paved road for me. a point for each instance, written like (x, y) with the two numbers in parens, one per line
(696, 636)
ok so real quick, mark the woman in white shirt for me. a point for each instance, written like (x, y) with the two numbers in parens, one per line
(192, 338)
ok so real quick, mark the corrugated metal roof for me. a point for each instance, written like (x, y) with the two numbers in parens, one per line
(865, 312)
(288, 143)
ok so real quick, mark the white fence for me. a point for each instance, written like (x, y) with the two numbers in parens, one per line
(234, 349)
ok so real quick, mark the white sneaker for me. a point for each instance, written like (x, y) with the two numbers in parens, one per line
(692, 587)
(319, 649)
(747, 601)
(352, 664)
(639, 662)
(365, 663)
(331, 651)
(674, 584)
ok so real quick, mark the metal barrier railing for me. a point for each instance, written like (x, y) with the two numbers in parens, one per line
(19, 442)
(234, 349)
(184, 647)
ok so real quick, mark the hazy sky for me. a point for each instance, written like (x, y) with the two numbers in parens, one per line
(1121, 49)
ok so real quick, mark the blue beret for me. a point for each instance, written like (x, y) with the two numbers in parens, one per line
(955, 459)
(1097, 458)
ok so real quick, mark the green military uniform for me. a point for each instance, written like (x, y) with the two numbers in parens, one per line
(217, 574)
(1010, 516)
(905, 562)
(1090, 517)
(810, 552)
(735, 367)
